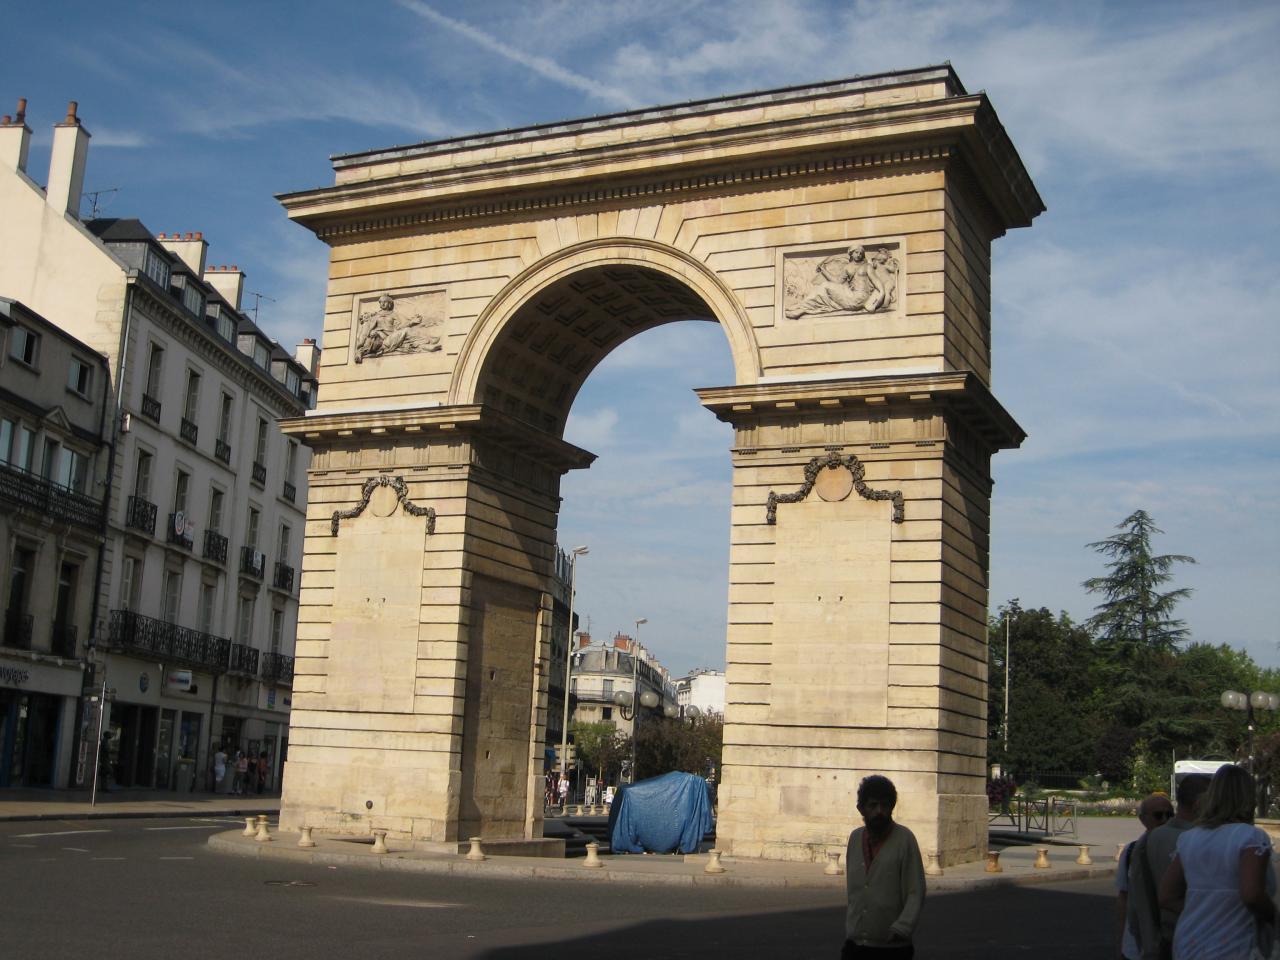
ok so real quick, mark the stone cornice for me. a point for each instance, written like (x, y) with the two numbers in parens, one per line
(960, 393)
(436, 423)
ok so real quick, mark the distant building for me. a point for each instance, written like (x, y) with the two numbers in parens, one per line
(560, 633)
(703, 689)
(191, 614)
(601, 673)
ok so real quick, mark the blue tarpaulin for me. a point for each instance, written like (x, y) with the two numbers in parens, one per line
(668, 813)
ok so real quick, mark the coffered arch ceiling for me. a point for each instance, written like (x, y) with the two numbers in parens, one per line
(546, 350)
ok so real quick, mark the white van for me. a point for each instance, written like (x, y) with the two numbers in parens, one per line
(1185, 768)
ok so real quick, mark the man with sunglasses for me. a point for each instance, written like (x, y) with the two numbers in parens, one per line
(1152, 812)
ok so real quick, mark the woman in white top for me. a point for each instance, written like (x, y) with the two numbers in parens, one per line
(1223, 869)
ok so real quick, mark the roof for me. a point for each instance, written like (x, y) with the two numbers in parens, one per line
(119, 229)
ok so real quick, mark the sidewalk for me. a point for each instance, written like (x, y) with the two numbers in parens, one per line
(20, 805)
(1016, 863)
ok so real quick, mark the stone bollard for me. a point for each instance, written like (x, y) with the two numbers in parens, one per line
(932, 867)
(993, 862)
(250, 828)
(475, 853)
(1042, 859)
(380, 841)
(305, 839)
(1084, 859)
(1119, 851)
(263, 835)
(713, 862)
(593, 860)
(579, 809)
(832, 869)
(564, 809)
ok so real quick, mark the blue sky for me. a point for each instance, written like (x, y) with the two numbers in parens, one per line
(1135, 324)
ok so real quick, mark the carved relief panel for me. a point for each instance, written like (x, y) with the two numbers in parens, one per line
(398, 324)
(820, 281)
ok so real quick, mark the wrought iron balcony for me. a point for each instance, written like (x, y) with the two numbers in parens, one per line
(244, 660)
(177, 532)
(215, 546)
(151, 408)
(290, 492)
(26, 490)
(283, 579)
(188, 431)
(277, 668)
(167, 641)
(252, 563)
(222, 450)
(140, 515)
(259, 473)
(17, 630)
(62, 640)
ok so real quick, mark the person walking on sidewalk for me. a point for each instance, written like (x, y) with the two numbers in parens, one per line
(1152, 812)
(1151, 856)
(884, 878)
(219, 768)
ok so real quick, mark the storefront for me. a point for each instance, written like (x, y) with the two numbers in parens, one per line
(37, 719)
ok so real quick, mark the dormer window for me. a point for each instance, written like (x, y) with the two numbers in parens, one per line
(193, 299)
(261, 355)
(226, 326)
(155, 267)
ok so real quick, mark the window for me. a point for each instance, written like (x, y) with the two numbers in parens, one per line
(79, 377)
(192, 298)
(24, 450)
(172, 595)
(244, 621)
(191, 406)
(251, 529)
(155, 370)
(291, 381)
(226, 326)
(142, 476)
(73, 470)
(291, 462)
(216, 497)
(261, 355)
(208, 597)
(19, 576)
(130, 583)
(24, 345)
(224, 419)
(49, 466)
(606, 713)
(155, 267)
(181, 488)
(285, 537)
(6, 439)
(261, 447)
(608, 689)
(277, 629)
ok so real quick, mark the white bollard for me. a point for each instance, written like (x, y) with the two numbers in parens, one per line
(1042, 859)
(1084, 859)
(932, 867)
(832, 869)
(305, 839)
(993, 862)
(250, 828)
(380, 841)
(713, 862)
(579, 809)
(263, 835)
(593, 860)
(475, 853)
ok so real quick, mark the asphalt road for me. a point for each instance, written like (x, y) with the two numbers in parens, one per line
(144, 889)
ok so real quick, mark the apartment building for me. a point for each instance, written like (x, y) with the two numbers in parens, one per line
(601, 673)
(195, 611)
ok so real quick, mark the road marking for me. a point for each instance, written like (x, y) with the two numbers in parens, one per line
(58, 833)
(203, 826)
(177, 858)
(108, 858)
(383, 902)
(24, 846)
(76, 849)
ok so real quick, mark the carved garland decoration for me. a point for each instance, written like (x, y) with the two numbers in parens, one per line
(832, 460)
(401, 489)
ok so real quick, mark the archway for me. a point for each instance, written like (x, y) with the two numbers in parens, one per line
(841, 239)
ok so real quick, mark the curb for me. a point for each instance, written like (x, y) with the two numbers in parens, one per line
(134, 815)
(231, 843)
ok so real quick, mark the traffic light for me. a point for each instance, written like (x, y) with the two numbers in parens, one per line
(573, 757)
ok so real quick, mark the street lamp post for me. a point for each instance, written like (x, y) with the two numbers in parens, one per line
(574, 554)
(1249, 702)
(634, 700)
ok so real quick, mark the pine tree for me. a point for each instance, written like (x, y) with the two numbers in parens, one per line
(1136, 617)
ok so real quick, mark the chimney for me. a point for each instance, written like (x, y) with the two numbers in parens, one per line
(15, 139)
(66, 164)
(190, 247)
(308, 354)
(228, 281)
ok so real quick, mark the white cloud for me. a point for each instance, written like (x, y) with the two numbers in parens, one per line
(111, 137)
(593, 430)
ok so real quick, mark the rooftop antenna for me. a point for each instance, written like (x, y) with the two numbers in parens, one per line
(257, 300)
(93, 196)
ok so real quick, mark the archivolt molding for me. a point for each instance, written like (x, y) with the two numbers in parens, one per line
(401, 490)
(604, 251)
(831, 461)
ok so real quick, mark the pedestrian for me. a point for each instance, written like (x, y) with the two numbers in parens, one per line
(1152, 852)
(884, 877)
(564, 790)
(1152, 812)
(242, 772)
(1222, 875)
(591, 792)
(608, 797)
(264, 768)
(219, 768)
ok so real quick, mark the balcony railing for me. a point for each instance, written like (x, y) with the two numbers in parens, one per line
(167, 641)
(252, 563)
(244, 659)
(277, 668)
(259, 473)
(215, 546)
(140, 515)
(290, 492)
(283, 579)
(151, 408)
(22, 489)
(62, 640)
(188, 431)
(222, 450)
(17, 630)
(177, 532)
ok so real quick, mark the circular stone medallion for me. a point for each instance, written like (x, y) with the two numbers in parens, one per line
(833, 483)
(383, 502)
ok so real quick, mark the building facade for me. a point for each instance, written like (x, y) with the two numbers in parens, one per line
(189, 632)
(703, 690)
(600, 673)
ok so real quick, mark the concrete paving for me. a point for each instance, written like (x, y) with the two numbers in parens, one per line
(21, 805)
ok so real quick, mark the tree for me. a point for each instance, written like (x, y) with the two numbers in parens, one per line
(600, 746)
(691, 745)
(1135, 615)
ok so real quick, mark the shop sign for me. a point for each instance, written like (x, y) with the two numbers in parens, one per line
(14, 676)
(179, 680)
(271, 699)
(144, 682)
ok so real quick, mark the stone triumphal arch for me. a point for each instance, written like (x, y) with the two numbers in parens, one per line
(840, 235)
